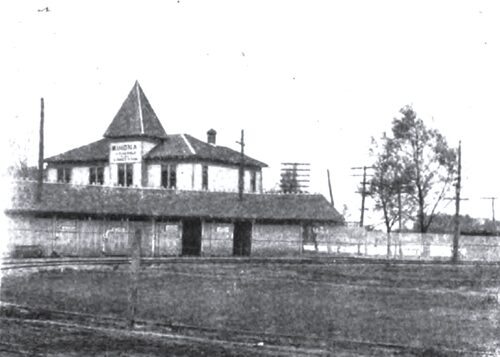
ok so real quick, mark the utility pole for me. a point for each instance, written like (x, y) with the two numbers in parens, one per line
(330, 187)
(363, 191)
(363, 195)
(241, 175)
(492, 208)
(399, 209)
(456, 235)
(135, 269)
(38, 197)
(295, 177)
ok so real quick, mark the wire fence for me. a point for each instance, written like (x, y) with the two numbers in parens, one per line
(359, 242)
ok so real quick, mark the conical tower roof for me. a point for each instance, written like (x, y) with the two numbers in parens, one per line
(135, 118)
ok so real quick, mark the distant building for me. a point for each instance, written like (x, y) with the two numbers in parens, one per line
(180, 192)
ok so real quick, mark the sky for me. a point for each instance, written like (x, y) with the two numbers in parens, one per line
(308, 80)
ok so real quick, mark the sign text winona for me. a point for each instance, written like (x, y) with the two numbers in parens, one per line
(125, 152)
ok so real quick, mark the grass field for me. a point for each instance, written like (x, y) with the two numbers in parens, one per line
(440, 307)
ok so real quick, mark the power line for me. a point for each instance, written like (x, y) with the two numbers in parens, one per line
(295, 177)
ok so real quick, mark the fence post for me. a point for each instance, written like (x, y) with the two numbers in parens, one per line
(153, 238)
(135, 266)
(388, 245)
(400, 243)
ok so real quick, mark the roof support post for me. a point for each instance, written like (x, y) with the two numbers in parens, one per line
(203, 238)
(153, 238)
(53, 235)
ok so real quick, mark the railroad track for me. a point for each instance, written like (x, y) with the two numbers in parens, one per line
(278, 343)
(270, 342)
(267, 343)
(10, 263)
(450, 284)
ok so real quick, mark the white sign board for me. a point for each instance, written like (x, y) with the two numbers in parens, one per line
(126, 152)
(223, 229)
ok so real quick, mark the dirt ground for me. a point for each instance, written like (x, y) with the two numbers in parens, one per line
(448, 310)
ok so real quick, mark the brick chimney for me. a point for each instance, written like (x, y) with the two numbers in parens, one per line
(211, 134)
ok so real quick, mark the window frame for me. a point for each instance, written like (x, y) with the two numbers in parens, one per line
(64, 174)
(253, 181)
(204, 177)
(169, 176)
(130, 174)
(96, 175)
(125, 175)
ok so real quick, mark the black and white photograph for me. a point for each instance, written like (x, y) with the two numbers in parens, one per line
(250, 178)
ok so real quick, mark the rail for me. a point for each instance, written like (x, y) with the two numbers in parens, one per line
(270, 342)
(282, 343)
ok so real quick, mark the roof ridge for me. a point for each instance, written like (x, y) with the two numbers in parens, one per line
(140, 106)
(214, 146)
(203, 150)
(190, 147)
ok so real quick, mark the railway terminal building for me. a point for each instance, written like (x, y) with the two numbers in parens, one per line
(181, 192)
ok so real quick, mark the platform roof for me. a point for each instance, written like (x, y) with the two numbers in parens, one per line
(67, 199)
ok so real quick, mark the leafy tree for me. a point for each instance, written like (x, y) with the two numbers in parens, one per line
(21, 170)
(429, 164)
(17, 161)
(444, 223)
(390, 183)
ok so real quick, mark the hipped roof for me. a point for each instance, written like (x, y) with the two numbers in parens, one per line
(60, 198)
(136, 118)
(173, 147)
(96, 151)
(185, 146)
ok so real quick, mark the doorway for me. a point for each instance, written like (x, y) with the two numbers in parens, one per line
(242, 238)
(191, 237)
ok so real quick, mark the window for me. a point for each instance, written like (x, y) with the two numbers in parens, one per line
(64, 174)
(169, 176)
(125, 172)
(253, 181)
(96, 175)
(204, 177)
